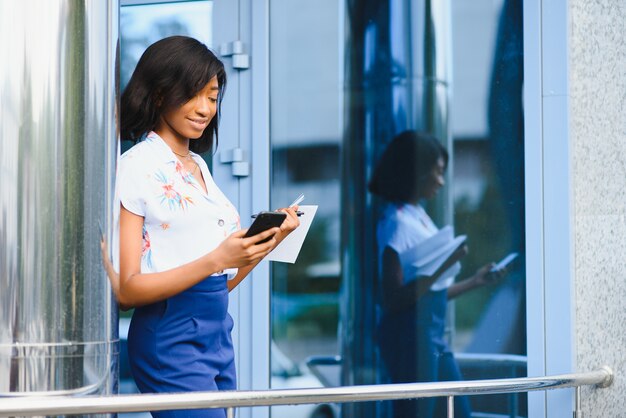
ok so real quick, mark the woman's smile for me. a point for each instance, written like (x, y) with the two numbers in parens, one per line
(199, 123)
(189, 120)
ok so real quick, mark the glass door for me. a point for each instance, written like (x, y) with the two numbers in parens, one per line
(214, 23)
(222, 25)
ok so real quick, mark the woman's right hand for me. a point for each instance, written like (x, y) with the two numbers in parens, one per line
(238, 251)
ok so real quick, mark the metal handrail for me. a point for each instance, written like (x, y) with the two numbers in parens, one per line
(512, 362)
(63, 405)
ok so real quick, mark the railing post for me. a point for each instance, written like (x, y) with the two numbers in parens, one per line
(514, 405)
(450, 406)
(578, 412)
(230, 412)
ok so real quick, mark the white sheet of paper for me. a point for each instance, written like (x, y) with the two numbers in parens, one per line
(425, 258)
(429, 249)
(433, 265)
(287, 251)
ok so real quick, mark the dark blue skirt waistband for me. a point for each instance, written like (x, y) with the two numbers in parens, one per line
(210, 284)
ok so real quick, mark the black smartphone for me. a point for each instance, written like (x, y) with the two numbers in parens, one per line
(264, 221)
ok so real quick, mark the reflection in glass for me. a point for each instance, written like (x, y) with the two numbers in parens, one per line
(417, 267)
(331, 122)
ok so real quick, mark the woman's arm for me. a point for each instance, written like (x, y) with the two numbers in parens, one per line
(483, 277)
(114, 278)
(397, 295)
(137, 289)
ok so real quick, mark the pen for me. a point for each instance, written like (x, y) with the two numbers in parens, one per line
(297, 201)
(297, 213)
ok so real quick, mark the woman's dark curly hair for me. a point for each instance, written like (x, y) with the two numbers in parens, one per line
(169, 73)
(406, 162)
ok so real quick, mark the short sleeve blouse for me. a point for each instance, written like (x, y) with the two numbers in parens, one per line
(403, 226)
(181, 221)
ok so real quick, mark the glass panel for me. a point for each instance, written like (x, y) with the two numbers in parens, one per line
(306, 125)
(345, 82)
(140, 26)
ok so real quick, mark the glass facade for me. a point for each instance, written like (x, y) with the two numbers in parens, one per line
(346, 78)
(340, 93)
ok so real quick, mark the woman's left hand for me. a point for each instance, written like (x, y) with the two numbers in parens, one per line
(290, 223)
(484, 276)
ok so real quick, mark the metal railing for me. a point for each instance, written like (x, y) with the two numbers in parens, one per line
(61, 405)
(327, 369)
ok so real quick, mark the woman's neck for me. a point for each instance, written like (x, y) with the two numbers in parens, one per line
(177, 144)
(416, 201)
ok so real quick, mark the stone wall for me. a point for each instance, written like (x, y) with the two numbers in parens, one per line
(597, 62)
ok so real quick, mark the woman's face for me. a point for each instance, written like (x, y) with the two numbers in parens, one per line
(434, 180)
(191, 119)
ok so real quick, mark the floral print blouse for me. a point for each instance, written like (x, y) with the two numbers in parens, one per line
(181, 221)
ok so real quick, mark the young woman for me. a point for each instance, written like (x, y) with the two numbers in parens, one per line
(181, 249)
(411, 329)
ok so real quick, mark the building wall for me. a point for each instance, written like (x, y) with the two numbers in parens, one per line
(597, 63)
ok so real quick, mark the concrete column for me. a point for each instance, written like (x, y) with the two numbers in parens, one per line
(597, 62)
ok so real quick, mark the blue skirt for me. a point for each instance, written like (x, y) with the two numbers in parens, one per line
(184, 344)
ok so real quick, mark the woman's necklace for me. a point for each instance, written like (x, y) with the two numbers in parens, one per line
(189, 158)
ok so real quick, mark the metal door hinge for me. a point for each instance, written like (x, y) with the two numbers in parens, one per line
(235, 157)
(236, 50)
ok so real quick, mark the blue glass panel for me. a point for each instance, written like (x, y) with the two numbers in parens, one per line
(345, 80)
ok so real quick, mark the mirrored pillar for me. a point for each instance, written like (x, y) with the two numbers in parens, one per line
(58, 144)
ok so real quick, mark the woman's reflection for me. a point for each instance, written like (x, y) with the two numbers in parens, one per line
(411, 327)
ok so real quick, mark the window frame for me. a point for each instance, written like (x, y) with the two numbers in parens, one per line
(548, 167)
